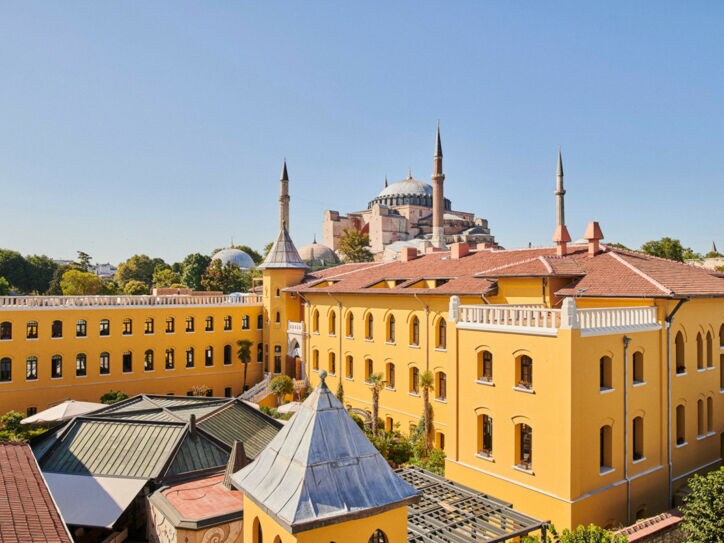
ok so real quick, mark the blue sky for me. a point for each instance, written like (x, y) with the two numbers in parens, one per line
(160, 127)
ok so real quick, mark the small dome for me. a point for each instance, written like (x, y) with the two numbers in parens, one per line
(317, 253)
(235, 256)
(407, 187)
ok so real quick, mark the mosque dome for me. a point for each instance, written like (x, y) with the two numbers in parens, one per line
(235, 256)
(409, 191)
(315, 253)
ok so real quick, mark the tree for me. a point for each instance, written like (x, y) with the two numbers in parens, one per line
(267, 248)
(165, 277)
(427, 382)
(354, 246)
(77, 283)
(340, 392)
(134, 288)
(226, 279)
(12, 430)
(704, 512)
(194, 266)
(113, 396)
(83, 263)
(376, 383)
(713, 254)
(41, 270)
(138, 268)
(14, 268)
(200, 390)
(244, 355)
(668, 248)
(54, 286)
(4, 287)
(281, 385)
(582, 534)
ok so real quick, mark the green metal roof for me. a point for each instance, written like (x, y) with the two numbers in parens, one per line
(197, 453)
(242, 422)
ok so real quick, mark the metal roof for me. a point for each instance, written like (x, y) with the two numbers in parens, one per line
(321, 469)
(283, 254)
(241, 422)
(197, 453)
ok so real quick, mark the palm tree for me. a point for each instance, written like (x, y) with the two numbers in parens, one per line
(280, 386)
(427, 382)
(244, 354)
(377, 383)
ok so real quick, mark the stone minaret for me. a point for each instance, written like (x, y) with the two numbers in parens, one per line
(438, 198)
(284, 198)
(561, 235)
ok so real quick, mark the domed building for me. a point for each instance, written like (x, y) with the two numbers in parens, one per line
(318, 256)
(234, 256)
(406, 210)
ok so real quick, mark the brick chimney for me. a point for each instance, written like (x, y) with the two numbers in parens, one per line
(459, 250)
(407, 254)
(593, 235)
(561, 237)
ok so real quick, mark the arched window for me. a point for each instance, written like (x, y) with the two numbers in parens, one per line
(699, 352)
(81, 328)
(638, 438)
(390, 375)
(485, 436)
(277, 358)
(245, 322)
(170, 356)
(349, 370)
(190, 357)
(391, 329)
(604, 372)
(56, 329)
(332, 366)
(700, 422)
(6, 330)
(209, 356)
(105, 364)
(315, 321)
(260, 322)
(148, 360)
(80, 365)
(605, 451)
(485, 366)
(524, 368)
(209, 326)
(709, 415)
(148, 326)
(440, 440)
(127, 327)
(369, 327)
(369, 369)
(31, 330)
(414, 380)
(227, 322)
(56, 366)
(441, 335)
(680, 424)
(378, 537)
(189, 324)
(638, 367)
(260, 352)
(315, 359)
(679, 348)
(415, 331)
(709, 351)
(170, 325)
(440, 386)
(332, 323)
(257, 534)
(6, 369)
(349, 332)
(31, 368)
(524, 438)
(278, 318)
(227, 355)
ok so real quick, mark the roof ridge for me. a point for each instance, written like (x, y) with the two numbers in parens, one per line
(545, 263)
(503, 266)
(641, 273)
(360, 268)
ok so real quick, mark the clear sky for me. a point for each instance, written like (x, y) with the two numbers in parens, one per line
(160, 127)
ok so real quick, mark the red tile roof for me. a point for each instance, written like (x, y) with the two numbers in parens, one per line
(613, 272)
(27, 510)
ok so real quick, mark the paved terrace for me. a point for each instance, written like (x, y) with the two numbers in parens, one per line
(10, 303)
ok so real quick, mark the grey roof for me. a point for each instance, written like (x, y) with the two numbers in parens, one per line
(283, 254)
(321, 469)
(240, 422)
(234, 256)
(197, 453)
(409, 186)
(319, 253)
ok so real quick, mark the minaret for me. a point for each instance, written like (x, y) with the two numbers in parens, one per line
(438, 199)
(561, 235)
(284, 198)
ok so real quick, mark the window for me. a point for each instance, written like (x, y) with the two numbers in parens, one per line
(277, 358)
(332, 365)
(638, 367)
(56, 366)
(699, 352)
(679, 348)
(315, 359)
(332, 323)
(415, 331)
(524, 437)
(315, 321)
(709, 415)
(189, 324)
(440, 440)
(209, 356)
(227, 355)
(390, 375)
(190, 357)
(378, 537)
(6, 369)
(414, 380)
(440, 386)
(209, 327)
(105, 364)
(485, 366)
(127, 327)
(525, 372)
(127, 362)
(170, 325)
(604, 373)
(638, 438)
(369, 369)
(389, 424)
(369, 327)
(148, 360)
(170, 359)
(80, 365)
(391, 329)
(56, 329)
(278, 318)
(6, 330)
(258, 535)
(227, 322)
(31, 411)
(260, 352)
(349, 332)
(259, 322)
(81, 328)
(104, 328)
(605, 449)
(245, 322)
(441, 335)
(349, 370)
(31, 330)
(709, 352)
(485, 435)
(278, 293)
(31, 368)
(148, 326)
(680, 425)
(227, 392)
(700, 422)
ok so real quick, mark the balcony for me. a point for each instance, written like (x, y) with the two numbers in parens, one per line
(295, 327)
(15, 303)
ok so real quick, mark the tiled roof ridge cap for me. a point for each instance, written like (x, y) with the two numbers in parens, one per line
(503, 266)
(637, 271)
(545, 263)
(360, 268)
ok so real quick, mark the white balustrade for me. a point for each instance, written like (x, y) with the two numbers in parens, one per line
(295, 327)
(40, 302)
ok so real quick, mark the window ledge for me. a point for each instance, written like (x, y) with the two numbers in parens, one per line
(81, 376)
(441, 400)
(638, 383)
(680, 374)
(170, 332)
(169, 369)
(31, 379)
(6, 382)
(606, 390)
(710, 368)
(56, 378)
(332, 335)
(699, 370)
(390, 343)
(605, 471)
(57, 337)
(699, 437)
(523, 389)
(414, 345)
(348, 337)
(642, 459)
(349, 378)
(441, 349)
(315, 333)
(31, 338)
(486, 457)
(414, 394)
(486, 383)
(683, 444)
(80, 337)
(392, 389)
(523, 469)
(369, 339)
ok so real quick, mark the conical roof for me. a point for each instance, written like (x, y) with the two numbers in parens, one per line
(283, 254)
(321, 469)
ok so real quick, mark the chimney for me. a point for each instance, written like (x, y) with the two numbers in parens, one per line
(561, 237)
(459, 250)
(407, 254)
(192, 425)
(593, 235)
(237, 460)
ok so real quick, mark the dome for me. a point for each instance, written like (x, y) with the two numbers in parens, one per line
(407, 187)
(317, 253)
(235, 256)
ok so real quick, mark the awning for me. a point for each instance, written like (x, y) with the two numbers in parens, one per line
(84, 500)
(63, 411)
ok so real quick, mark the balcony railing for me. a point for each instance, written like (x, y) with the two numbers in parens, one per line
(54, 302)
(295, 327)
(511, 318)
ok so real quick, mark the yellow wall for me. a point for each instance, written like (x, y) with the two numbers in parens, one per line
(284, 305)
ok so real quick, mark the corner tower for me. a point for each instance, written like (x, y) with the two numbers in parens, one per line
(438, 198)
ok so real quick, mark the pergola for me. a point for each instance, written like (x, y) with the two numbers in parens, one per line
(451, 513)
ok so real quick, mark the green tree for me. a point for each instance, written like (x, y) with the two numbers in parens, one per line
(668, 248)
(113, 396)
(4, 287)
(713, 254)
(83, 262)
(427, 382)
(54, 286)
(165, 277)
(14, 268)
(354, 246)
(108, 287)
(267, 248)
(376, 383)
(134, 288)
(244, 355)
(194, 266)
(704, 512)
(226, 279)
(76, 283)
(281, 385)
(41, 270)
(12, 430)
(582, 534)
(138, 268)
(340, 392)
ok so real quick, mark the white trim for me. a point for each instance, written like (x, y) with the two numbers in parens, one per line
(508, 329)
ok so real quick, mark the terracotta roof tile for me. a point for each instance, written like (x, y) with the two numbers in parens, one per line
(27, 510)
